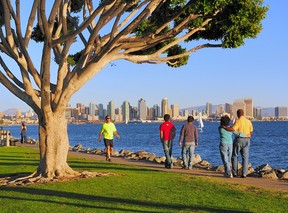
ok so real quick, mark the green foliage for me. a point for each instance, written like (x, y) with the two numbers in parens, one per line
(175, 50)
(76, 5)
(238, 21)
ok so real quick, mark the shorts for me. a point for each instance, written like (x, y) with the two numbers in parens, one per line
(108, 142)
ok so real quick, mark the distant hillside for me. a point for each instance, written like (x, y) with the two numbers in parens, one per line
(265, 111)
(11, 111)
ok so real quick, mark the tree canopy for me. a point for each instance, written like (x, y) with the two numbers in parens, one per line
(81, 37)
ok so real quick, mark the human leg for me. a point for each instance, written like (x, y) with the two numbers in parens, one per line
(191, 148)
(245, 156)
(166, 149)
(235, 153)
(225, 153)
(184, 155)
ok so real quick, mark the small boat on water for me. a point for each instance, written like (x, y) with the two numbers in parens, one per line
(201, 124)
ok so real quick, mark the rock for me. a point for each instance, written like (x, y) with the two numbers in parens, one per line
(283, 175)
(124, 152)
(270, 174)
(77, 147)
(160, 159)
(204, 165)
(263, 168)
(197, 159)
(220, 169)
(151, 157)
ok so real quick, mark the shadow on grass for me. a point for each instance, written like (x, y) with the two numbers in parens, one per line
(101, 200)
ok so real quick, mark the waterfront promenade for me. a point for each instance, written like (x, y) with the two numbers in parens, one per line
(269, 184)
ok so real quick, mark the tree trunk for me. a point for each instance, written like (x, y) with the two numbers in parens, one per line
(54, 145)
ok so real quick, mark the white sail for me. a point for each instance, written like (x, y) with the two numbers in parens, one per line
(201, 124)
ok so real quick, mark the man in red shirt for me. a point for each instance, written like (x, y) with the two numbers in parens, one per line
(167, 134)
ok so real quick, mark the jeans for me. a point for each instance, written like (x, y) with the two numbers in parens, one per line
(167, 146)
(226, 154)
(188, 148)
(240, 145)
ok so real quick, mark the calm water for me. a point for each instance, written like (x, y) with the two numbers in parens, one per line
(269, 143)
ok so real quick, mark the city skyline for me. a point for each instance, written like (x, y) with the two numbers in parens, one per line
(258, 70)
(159, 103)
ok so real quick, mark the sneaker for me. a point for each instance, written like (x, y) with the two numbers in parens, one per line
(184, 167)
(231, 176)
(243, 176)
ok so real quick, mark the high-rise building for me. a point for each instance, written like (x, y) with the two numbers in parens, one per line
(220, 110)
(257, 113)
(142, 109)
(249, 107)
(229, 108)
(126, 111)
(101, 111)
(156, 112)
(164, 106)
(175, 110)
(92, 109)
(111, 110)
(281, 112)
(246, 104)
(209, 109)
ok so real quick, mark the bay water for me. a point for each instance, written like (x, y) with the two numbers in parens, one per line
(269, 142)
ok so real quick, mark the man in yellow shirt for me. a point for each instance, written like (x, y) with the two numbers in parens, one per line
(241, 144)
(108, 130)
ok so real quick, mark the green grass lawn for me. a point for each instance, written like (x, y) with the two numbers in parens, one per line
(133, 189)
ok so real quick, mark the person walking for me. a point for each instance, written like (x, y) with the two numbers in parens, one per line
(188, 135)
(23, 133)
(225, 146)
(167, 134)
(108, 130)
(241, 144)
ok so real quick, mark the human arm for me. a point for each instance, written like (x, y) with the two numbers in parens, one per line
(181, 136)
(117, 135)
(100, 136)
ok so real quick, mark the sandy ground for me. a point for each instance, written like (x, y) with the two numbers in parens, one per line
(279, 185)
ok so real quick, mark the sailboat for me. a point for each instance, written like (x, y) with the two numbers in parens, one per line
(201, 124)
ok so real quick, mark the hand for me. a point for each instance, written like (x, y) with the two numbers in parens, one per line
(180, 143)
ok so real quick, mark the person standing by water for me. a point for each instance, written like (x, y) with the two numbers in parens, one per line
(108, 130)
(225, 146)
(189, 135)
(167, 134)
(241, 144)
(23, 133)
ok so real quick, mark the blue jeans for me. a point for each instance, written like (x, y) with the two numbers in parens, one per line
(188, 148)
(167, 146)
(226, 154)
(240, 145)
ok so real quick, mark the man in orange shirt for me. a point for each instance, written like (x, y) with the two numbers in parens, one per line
(241, 144)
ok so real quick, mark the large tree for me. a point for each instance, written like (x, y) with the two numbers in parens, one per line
(81, 37)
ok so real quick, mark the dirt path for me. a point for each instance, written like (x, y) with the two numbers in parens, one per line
(279, 185)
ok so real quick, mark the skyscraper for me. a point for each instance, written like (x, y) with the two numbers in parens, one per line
(281, 112)
(164, 106)
(101, 111)
(91, 108)
(209, 109)
(142, 109)
(111, 110)
(175, 110)
(246, 104)
(126, 111)
(156, 112)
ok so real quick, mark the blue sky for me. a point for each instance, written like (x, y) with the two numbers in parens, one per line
(257, 70)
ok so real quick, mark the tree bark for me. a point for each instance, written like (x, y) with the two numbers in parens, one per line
(54, 146)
